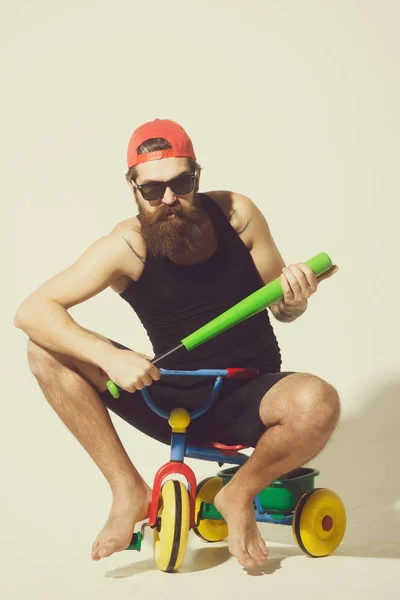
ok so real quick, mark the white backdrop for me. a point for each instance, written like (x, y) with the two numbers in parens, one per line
(294, 104)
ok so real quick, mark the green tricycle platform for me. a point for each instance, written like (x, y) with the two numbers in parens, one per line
(281, 496)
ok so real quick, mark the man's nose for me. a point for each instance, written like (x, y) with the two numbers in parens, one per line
(169, 197)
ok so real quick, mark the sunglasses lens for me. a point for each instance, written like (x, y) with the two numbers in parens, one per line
(183, 184)
(153, 191)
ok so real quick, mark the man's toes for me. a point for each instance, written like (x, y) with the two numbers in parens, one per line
(258, 556)
(245, 559)
(261, 559)
(263, 547)
(241, 555)
(106, 550)
(95, 545)
(249, 563)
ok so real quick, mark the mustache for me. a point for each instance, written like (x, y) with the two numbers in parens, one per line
(164, 210)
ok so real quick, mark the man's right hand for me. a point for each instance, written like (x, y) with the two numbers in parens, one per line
(131, 370)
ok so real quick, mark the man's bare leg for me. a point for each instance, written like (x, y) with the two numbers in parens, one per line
(65, 383)
(301, 411)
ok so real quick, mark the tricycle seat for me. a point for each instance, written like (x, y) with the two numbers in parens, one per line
(224, 449)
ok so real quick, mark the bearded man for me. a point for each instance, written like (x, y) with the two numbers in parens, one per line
(185, 258)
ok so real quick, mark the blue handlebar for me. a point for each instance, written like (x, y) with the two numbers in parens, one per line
(194, 414)
(196, 373)
(219, 374)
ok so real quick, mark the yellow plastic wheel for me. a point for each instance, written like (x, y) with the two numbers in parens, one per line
(173, 523)
(319, 522)
(208, 529)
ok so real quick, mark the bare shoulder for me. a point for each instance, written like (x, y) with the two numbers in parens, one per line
(241, 212)
(253, 228)
(129, 231)
(131, 223)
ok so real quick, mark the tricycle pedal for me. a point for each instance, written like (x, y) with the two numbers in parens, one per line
(136, 542)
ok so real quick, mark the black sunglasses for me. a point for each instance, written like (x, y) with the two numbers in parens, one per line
(155, 190)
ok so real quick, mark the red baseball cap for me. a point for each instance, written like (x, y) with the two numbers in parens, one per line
(164, 128)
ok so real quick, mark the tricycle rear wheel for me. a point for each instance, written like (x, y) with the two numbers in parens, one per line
(319, 522)
(210, 530)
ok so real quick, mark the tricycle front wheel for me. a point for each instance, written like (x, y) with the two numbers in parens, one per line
(172, 529)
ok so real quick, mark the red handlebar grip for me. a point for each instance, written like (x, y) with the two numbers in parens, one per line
(242, 373)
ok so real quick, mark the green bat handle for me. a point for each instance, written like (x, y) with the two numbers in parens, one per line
(253, 304)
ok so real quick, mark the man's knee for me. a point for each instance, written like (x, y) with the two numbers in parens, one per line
(41, 360)
(45, 363)
(304, 400)
(316, 402)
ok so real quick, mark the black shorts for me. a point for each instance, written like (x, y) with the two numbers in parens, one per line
(233, 419)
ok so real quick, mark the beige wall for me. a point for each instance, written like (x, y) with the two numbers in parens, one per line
(295, 104)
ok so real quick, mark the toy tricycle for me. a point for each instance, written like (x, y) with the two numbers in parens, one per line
(317, 515)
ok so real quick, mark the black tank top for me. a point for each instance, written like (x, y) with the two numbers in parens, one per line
(174, 300)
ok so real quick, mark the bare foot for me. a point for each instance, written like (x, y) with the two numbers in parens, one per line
(130, 505)
(245, 541)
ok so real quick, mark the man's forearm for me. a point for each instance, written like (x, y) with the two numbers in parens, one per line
(51, 326)
(287, 314)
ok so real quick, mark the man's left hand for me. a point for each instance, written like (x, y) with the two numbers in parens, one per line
(299, 282)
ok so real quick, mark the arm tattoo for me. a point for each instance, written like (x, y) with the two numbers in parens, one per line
(286, 316)
(246, 226)
(134, 251)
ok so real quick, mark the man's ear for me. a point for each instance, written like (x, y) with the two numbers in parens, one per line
(132, 189)
(198, 173)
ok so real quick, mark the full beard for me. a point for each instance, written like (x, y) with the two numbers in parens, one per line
(173, 237)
